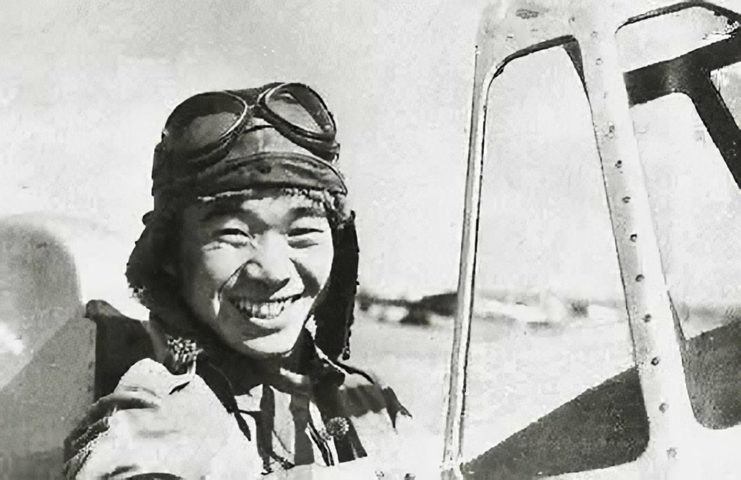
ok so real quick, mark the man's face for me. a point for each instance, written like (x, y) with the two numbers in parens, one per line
(251, 268)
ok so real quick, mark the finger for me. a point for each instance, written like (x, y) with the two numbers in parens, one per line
(97, 428)
(105, 406)
(155, 476)
(124, 401)
(73, 466)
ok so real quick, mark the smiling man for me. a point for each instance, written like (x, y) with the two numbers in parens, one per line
(248, 265)
(257, 265)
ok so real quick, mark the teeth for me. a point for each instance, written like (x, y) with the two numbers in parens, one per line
(267, 310)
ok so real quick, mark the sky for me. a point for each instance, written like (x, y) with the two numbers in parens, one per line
(86, 86)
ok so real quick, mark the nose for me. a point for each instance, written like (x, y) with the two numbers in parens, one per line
(270, 267)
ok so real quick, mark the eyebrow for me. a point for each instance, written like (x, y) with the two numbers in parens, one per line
(227, 207)
(307, 211)
(220, 209)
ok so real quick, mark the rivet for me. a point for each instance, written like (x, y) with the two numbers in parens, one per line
(633, 237)
(647, 317)
(671, 453)
(619, 164)
(639, 277)
(663, 407)
(626, 199)
(655, 361)
(598, 61)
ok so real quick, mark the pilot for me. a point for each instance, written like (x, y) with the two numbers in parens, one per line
(248, 265)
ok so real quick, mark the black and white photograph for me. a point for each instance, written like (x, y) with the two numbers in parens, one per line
(398, 240)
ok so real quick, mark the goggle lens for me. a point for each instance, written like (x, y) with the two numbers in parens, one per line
(202, 121)
(299, 107)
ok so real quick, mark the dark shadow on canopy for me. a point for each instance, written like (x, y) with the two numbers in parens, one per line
(607, 425)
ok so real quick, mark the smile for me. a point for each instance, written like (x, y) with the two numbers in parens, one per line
(263, 310)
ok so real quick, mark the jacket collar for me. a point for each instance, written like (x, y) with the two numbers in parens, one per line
(184, 344)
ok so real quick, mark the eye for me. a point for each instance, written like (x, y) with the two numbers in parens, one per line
(298, 232)
(233, 235)
(302, 237)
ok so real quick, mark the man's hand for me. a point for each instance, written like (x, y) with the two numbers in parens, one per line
(160, 424)
(97, 422)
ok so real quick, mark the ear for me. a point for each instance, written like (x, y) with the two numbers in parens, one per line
(334, 313)
(170, 263)
(169, 268)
